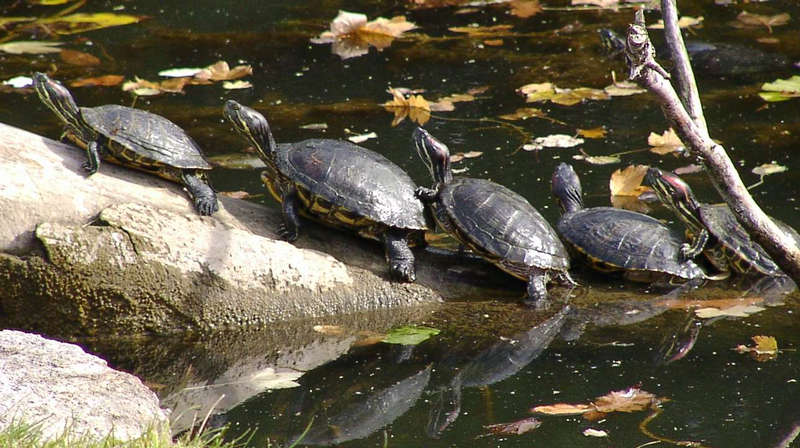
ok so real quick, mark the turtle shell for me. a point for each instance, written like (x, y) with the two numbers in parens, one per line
(742, 253)
(151, 138)
(501, 224)
(616, 239)
(361, 181)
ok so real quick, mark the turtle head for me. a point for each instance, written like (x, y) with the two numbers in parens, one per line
(613, 43)
(566, 188)
(252, 125)
(434, 154)
(676, 194)
(55, 96)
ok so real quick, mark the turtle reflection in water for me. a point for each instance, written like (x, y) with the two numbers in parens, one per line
(493, 221)
(340, 184)
(712, 229)
(133, 138)
(616, 240)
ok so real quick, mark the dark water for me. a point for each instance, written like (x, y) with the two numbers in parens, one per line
(609, 339)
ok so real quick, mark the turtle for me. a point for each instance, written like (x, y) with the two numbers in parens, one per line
(493, 222)
(340, 184)
(133, 138)
(616, 240)
(712, 229)
(712, 59)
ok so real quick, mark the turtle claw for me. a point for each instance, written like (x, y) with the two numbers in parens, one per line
(686, 250)
(287, 234)
(403, 272)
(206, 207)
(87, 166)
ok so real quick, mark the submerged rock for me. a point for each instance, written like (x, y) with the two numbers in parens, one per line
(60, 388)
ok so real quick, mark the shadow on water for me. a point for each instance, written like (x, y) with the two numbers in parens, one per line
(493, 359)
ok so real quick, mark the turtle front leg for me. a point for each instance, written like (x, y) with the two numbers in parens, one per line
(399, 255)
(205, 199)
(92, 158)
(425, 194)
(290, 228)
(695, 246)
(537, 290)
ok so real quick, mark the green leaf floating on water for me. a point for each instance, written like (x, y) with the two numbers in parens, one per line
(410, 335)
(781, 89)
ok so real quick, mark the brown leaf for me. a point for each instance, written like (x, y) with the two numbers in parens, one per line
(221, 71)
(514, 428)
(628, 181)
(563, 409)
(105, 80)
(493, 42)
(351, 34)
(80, 58)
(598, 132)
(415, 107)
(746, 19)
(629, 400)
(525, 8)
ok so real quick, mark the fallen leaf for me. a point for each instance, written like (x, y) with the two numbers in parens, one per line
(734, 311)
(315, 126)
(524, 113)
(665, 143)
(481, 31)
(447, 103)
(781, 89)
(746, 19)
(628, 181)
(180, 72)
(553, 141)
(525, 8)
(234, 85)
(105, 81)
(221, 71)
(562, 409)
(82, 22)
(765, 348)
(410, 335)
(623, 88)
(143, 87)
(683, 22)
(80, 58)
(514, 428)
(493, 42)
(415, 107)
(539, 92)
(597, 160)
(362, 137)
(351, 34)
(19, 82)
(598, 132)
(590, 432)
(629, 400)
(769, 168)
(459, 156)
(30, 47)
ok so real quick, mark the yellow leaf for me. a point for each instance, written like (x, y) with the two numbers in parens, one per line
(683, 22)
(82, 22)
(563, 409)
(628, 181)
(478, 31)
(629, 400)
(415, 107)
(769, 168)
(665, 143)
(523, 114)
(765, 344)
(598, 132)
(31, 47)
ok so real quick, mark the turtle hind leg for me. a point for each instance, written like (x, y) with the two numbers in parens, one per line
(537, 290)
(399, 255)
(205, 199)
(92, 158)
(290, 228)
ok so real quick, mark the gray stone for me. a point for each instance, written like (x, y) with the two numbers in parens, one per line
(59, 387)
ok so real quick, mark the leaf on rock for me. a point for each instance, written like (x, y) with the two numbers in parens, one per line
(30, 47)
(563, 409)
(415, 107)
(525, 8)
(514, 428)
(410, 335)
(683, 22)
(734, 311)
(665, 143)
(80, 58)
(598, 132)
(351, 34)
(769, 168)
(781, 89)
(746, 19)
(105, 81)
(628, 181)
(553, 141)
(82, 22)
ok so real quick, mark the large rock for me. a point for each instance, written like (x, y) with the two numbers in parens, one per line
(59, 387)
(122, 251)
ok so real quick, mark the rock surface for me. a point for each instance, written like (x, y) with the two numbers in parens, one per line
(123, 251)
(60, 387)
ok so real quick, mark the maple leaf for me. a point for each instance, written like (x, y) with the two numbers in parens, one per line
(415, 107)
(351, 34)
(629, 400)
(221, 71)
(628, 181)
(665, 143)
